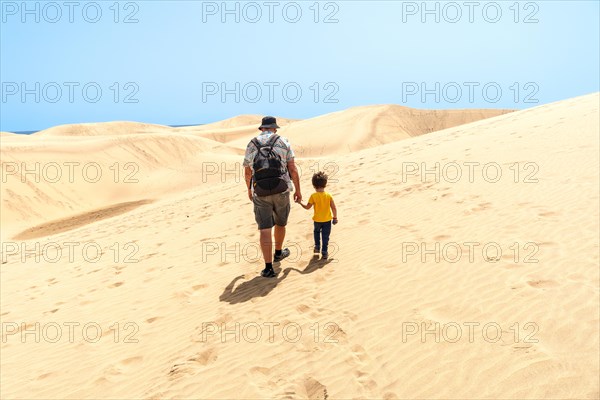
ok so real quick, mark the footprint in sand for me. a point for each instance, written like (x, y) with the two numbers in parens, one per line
(192, 364)
(44, 376)
(311, 311)
(350, 315)
(360, 359)
(441, 237)
(132, 360)
(315, 389)
(186, 295)
(303, 308)
(274, 385)
(118, 269)
(119, 368)
(91, 272)
(481, 207)
(205, 357)
(542, 284)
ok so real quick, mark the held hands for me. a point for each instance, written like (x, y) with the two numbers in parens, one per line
(298, 197)
(299, 201)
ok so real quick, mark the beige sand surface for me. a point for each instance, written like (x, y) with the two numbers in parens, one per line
(182, 313)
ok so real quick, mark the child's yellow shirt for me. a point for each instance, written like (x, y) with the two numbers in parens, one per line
(321, 201)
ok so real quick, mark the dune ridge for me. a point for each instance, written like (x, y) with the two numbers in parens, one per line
(359, 128)
(350, 130)
(103, 128)
(346, 131)
(54, 227)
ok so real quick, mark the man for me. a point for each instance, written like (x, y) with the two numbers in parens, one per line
(271, 210)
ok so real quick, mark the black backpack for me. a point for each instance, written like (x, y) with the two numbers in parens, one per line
(269, 170)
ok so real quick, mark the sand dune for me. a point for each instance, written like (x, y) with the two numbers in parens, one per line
(360, 128)
(103, 128)
(231, 136)
(247, 123)
(186, 270)
(47, 178)
(240, 121)
(167, 158)
(344, 131)
(239, 129)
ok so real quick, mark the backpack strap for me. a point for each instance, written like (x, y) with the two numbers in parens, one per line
(256, 143)
(273, 139)
(271, 142)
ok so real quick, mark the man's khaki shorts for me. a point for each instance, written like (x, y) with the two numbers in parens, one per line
(271, 210)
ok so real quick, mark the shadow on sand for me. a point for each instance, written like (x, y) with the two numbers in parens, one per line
(313, 265)
(260, 287)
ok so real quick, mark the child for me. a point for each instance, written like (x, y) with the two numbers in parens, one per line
(324, 205)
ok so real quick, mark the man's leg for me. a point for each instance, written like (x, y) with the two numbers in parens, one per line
(281, 211)
(266, 244)
(264, 219)
(279, 236)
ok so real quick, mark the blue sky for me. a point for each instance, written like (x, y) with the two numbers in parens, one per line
(185, 62)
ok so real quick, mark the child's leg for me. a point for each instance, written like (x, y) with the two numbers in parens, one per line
(326, 229)
(317, 235)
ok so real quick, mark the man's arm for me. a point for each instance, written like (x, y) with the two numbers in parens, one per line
(248, 157)
(291, 165)
(248, 176)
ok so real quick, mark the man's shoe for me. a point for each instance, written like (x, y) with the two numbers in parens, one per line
(268, 273)
(284, 253)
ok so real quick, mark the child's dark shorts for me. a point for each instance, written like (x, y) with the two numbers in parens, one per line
(271, 210)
